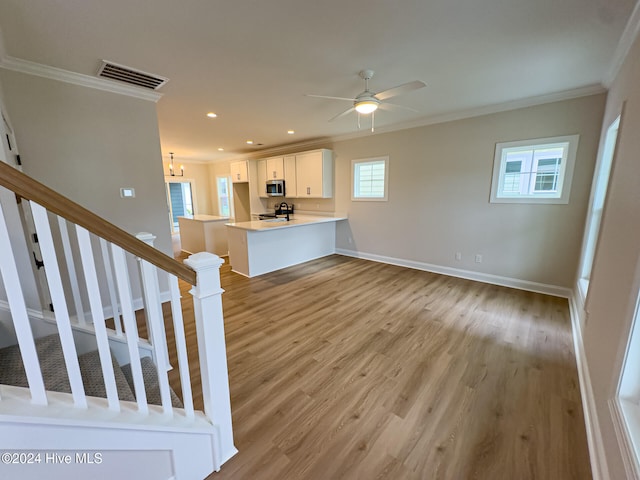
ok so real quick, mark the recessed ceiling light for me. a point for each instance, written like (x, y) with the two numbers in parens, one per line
(249, 142)
(221, 149)
(290, 132)
(212, 115)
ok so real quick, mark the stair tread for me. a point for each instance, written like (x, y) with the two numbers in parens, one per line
(52, 364)
(91, 371)
(151, 384)
(55, 376)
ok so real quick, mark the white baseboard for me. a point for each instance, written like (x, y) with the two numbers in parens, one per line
(599, 468)
(554, 290)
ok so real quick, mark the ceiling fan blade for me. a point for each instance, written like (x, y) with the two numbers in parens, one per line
(346, 112)
(332, 98)
(395, 106)
(400, 89)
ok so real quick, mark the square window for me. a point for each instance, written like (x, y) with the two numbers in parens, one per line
(369, 181)
(534, 171)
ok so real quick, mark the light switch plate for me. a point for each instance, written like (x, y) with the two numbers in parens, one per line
(127, 192)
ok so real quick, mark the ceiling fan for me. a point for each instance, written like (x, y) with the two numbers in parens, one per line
(368, 102)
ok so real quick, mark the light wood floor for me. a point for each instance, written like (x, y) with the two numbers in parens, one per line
(347, 369)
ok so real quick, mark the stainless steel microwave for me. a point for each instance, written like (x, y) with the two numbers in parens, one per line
(275, 188)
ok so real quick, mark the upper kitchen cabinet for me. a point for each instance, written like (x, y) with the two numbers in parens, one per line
(290, 186)
(239, 172)
(262, 178)
(275, 168)
(314, 174)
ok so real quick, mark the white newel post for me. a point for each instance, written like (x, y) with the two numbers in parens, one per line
(207, 307)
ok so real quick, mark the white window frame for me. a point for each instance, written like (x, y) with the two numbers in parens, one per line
(355, 194)
(596, 206)
(229, 195)
(569, 143)
(625, 405)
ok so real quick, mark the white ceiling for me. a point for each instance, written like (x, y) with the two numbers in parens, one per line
(252, 61)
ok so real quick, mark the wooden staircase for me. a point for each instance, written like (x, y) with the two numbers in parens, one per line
(94, 271)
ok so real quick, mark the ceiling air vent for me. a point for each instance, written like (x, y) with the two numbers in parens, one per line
(113, 71)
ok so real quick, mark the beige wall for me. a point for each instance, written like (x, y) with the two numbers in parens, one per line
(87, 144)
(439, 185)
(615, 278)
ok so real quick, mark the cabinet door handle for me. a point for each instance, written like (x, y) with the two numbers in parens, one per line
(308, 190)
(238, 176)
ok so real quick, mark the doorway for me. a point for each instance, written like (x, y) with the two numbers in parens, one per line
(180, 201)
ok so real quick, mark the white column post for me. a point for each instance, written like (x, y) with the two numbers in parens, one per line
(207, 307)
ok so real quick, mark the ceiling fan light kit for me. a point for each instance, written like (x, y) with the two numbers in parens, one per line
(368, 102)
(366, 106)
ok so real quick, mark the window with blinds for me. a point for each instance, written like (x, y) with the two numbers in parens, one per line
(370, 179)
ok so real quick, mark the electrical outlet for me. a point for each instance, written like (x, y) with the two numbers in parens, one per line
(458, 256)
(478, 258)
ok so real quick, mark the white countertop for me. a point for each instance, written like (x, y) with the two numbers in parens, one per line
(205, 218)
(296, 220)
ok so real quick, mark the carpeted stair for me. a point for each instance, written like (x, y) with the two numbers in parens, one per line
(55, 376)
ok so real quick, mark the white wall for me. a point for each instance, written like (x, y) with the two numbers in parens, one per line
(439, 186)
(86, 144)
(16, 233)
(615, 278)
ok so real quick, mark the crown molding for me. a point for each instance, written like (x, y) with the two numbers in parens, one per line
(326, 142)
(483, 110)
(629, 35)
(32, 68)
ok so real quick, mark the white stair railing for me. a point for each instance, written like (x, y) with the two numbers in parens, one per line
(22, 327)
(207, 307)
(71, 270)
(74, 280)
(97, 315)
(59, 304)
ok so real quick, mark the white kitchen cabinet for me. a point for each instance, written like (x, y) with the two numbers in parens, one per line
(314, 174)
(262, 178)
(239, 172)
(290, 184)
(275, 168)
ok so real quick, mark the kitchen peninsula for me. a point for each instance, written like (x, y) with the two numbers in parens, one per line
(263, 246)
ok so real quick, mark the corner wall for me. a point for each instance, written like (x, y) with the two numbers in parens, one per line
(615, 277)
(439, 186)
(87, 144)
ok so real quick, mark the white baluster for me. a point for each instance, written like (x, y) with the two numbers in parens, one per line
(49, 257)
(106, 260)
(149, 239)
(15, 297)
(129, 318)
(181, 346)
(71, 268)
(95, 304)
(156, 323)
(207, 307)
